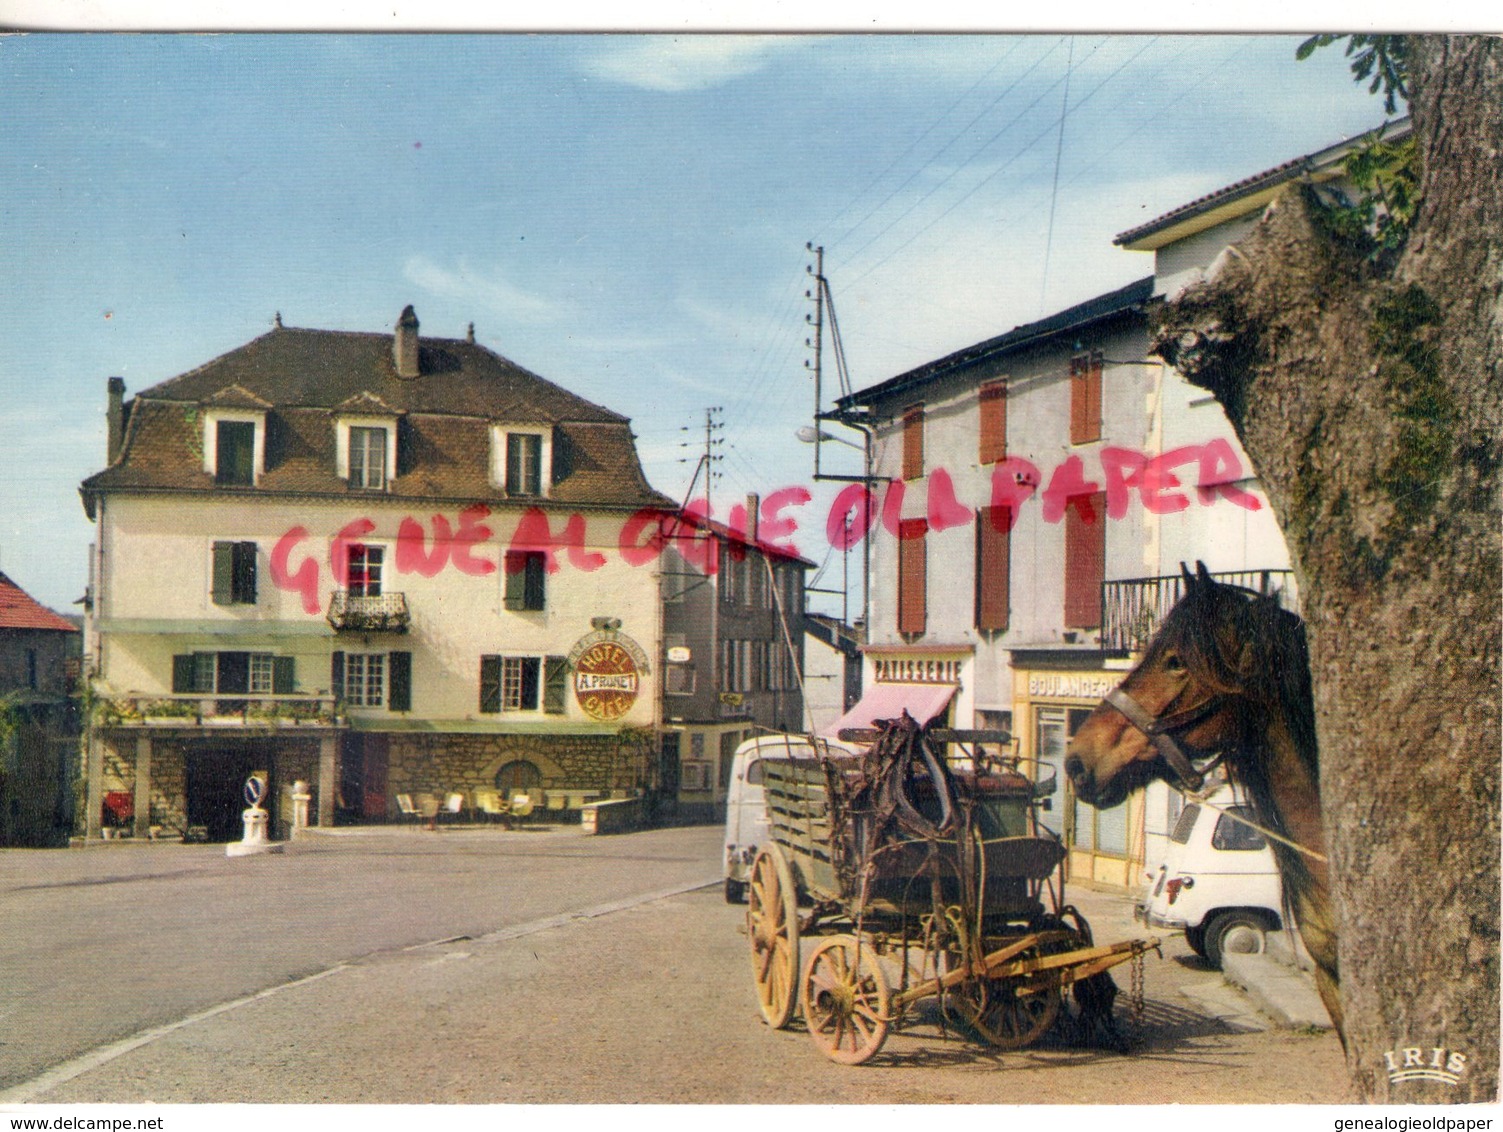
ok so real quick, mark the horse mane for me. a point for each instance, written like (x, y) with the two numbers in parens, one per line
(1243, 644)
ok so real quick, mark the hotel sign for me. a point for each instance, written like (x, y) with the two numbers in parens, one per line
(608, 668)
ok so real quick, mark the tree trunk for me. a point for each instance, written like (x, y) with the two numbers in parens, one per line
(1369, 402)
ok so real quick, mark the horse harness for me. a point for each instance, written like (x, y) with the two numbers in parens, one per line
(1159, 731)
(1191, 778)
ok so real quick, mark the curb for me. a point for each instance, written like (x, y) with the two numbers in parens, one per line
(1284, 993)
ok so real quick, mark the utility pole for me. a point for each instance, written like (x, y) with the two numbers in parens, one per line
(818, 320)
(714, 424)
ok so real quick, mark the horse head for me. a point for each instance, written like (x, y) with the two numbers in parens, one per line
(1223, 659)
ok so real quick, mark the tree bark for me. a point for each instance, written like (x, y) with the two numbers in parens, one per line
(1369, 402)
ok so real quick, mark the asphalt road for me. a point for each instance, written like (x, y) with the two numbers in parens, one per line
(169, 974)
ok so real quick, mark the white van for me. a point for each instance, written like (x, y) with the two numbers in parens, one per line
(1218, 881)
(745, 808)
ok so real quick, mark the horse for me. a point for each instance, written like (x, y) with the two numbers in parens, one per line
(1227, 676)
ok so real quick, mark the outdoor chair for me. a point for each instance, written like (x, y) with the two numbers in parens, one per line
(489, 803)
(428, 807)
(407, 810)
(453, 806)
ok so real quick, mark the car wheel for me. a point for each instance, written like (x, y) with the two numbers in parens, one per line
(1234, 933)
(1196, 938)
(735, 891)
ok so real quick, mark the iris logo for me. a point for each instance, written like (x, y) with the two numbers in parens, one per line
(1411, 1064)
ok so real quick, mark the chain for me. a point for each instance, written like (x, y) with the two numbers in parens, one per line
(1135, 996)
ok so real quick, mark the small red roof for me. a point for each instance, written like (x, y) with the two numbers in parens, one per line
(19, 610)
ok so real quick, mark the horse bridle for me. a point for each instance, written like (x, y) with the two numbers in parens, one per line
(1159, 731)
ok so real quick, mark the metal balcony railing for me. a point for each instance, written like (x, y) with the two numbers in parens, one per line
(1132, 609)
(199, 709)
(369, 613)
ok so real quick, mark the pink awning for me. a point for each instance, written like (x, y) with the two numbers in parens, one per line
(888, 701)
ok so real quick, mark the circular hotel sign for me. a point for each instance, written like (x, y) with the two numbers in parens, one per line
(608, 671)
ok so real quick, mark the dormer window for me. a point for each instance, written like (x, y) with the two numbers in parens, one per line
(234, 447)
(367, 456)
(522, 459)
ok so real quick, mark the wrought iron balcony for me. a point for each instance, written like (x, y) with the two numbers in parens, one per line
(1132, 609)
(199, 709)
(369, 613)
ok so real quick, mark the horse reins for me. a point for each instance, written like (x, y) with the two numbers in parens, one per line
(1191, 778)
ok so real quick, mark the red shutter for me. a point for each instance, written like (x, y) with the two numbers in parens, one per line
(993, 541)
(1085, 559)
(913, 442)
(993, 409)
(912, 567)
(1085, 398)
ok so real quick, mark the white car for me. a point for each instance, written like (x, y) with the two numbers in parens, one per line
(745, 804)
(1218, 881)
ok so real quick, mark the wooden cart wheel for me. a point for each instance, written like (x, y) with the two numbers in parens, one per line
(1006, 1018)
(772, 929)
(847, 1000)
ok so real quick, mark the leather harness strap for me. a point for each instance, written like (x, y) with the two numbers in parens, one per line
(1158, 730)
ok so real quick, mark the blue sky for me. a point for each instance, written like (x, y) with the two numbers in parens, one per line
(623, 214)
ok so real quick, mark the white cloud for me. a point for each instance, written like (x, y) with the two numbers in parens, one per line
(488, 287)
(679, 63)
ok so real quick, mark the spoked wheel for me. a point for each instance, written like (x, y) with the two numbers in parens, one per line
(847, 1000)
(1007, 1017)
(772, 929)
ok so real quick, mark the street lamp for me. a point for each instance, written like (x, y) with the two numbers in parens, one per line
(810, 435)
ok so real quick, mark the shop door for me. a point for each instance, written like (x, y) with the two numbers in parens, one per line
(374, 795)
(215, 788)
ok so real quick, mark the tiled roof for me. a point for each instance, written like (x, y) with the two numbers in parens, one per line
(1322, 161)
(290, 367)
(19, 610)
(1114, 303)
(303, 379)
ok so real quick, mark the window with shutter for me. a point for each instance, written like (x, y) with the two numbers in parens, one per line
(993, 539)
(556, 685)
(912, 581)
(235, 453)
(1085, 559)
(399, 681)
(336, 673)
(234, 573)
(913, 442)
(1085, 398)
(490, 684)
(992, 408)
(526, 585)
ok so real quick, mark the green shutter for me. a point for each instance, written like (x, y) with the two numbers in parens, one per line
(516, 580)
(243, 586)
(534, 588)
(182, 673)
(283, 676)
(490, 684)
(336, 674)
(556, 685)
(399, 681)
(224, 573)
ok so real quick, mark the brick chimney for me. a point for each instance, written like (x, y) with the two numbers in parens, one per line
(114, 416)
(405, 345)
(753, 505)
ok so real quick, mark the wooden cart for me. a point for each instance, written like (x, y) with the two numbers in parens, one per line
(918, 871)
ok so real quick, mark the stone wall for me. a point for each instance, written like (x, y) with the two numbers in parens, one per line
(436, 764)
(169, 787)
